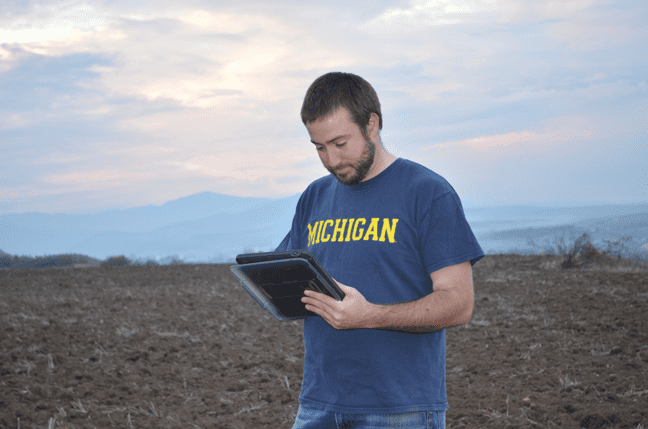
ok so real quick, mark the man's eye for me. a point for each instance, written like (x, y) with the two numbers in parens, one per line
(340, 144)
(319, 148)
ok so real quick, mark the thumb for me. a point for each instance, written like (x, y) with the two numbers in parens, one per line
(344, 288)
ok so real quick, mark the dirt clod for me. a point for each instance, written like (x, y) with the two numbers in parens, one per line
(185, 346)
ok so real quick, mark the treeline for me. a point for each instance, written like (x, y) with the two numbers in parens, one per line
(120, 261)
(76, 260)
(574, 252)
(64, 260)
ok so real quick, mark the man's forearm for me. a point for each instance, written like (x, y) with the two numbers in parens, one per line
(434, 312)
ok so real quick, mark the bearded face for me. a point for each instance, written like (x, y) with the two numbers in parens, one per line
(355, 172)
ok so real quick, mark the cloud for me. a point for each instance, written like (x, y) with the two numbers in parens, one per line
(514, 12)
(247, 167)
(145, 102)
(587, 157)
(511, 47)
(423, 14)
(11, 195)
(565, 129)
(53, 27)
(38, 35)
(91, 178)
(36, 80)
(488, 143)
(194, 64)
(11, 121)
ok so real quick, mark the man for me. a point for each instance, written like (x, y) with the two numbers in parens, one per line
(394, 236)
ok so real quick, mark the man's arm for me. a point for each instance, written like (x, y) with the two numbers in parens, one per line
(450, 304)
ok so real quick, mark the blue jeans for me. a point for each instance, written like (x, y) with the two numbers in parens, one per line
(309, 418)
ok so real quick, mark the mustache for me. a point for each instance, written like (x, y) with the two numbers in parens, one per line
(340, 167)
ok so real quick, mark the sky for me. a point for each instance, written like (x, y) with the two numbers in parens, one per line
(109, 104)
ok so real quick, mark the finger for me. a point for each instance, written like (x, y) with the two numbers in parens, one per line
(314, 295)
(318, 311)
(319, 297)
(307, 301)
(318, 308)
(313, 309)
(312, 303)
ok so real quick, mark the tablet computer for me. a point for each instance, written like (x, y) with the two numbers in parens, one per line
(277, 280)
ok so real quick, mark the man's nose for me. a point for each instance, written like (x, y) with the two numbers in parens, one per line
(334, 158)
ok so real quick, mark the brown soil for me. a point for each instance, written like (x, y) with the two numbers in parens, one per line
(185, 347)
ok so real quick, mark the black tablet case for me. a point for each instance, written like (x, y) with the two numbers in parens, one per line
(277, 280)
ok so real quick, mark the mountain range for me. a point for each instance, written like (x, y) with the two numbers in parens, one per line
(202, 227)
(212, 227)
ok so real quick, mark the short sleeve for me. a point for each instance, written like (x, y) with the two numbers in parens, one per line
(445, 236)
(292, 240)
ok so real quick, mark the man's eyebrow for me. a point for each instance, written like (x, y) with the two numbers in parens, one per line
(330, 141)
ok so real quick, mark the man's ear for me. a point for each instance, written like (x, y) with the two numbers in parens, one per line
(373, 127)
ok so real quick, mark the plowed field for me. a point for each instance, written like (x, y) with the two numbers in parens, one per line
(184, 346)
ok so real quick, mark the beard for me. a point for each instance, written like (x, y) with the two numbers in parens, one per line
(362, 167)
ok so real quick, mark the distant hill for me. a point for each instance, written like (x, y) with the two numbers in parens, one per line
(200, 227)
(211, 227)
(601, 223)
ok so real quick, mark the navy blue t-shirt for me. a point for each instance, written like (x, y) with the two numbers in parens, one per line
(384, 237)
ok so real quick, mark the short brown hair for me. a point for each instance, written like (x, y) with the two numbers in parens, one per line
(336, 89)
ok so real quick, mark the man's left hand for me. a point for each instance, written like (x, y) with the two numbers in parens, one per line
(353, 312)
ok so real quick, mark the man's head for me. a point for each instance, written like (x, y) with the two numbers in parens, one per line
(342, 114)
(334, 90)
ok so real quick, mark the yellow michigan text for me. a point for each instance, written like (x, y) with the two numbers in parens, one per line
(330, 230)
